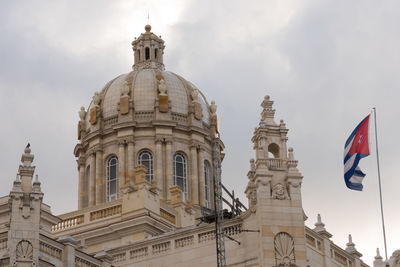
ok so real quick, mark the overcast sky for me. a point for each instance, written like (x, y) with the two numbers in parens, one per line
(326, 64)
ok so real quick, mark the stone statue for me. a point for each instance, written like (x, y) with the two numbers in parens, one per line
(195, 94)
(279, 192)
(162, 87)
(82, 114)
(96, 99)
(213, 108)
(125, 89)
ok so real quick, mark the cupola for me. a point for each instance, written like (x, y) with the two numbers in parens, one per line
(148, 51)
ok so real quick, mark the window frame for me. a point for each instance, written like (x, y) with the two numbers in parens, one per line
(150, 169)
(184, 173)
(109, 180)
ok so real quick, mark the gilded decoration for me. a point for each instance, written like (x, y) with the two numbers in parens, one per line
(163, 101)
(124, 105)
(93, 115)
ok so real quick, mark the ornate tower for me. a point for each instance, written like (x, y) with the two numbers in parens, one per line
(25, 203)
(274, 193)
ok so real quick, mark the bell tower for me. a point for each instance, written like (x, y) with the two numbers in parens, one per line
(274, 193)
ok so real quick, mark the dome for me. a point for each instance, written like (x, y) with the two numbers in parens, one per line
(143, 89)
(149, 118)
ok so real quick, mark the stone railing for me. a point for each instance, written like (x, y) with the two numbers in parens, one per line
(144, 115)
(168, 216)
(207, 236)
(76, 218)
(139, 253)
(68, 223)
(3, 243)
(50, 250)
(161, 247)
(110, 120)
(274, 164)
(119, 257)
(185, 241)
(106, 212)
(179, 117)
(85, 260)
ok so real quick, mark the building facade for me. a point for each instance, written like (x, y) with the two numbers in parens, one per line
(146, 168)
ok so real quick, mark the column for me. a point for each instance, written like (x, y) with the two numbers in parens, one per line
(99, 177)
(158, 168)
(168, 166)
(202, 193)
(92, 182)
(81, 187)
(121, 164)
(131, 160)
(193, 182)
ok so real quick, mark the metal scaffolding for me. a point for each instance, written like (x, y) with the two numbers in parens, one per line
(218, 202)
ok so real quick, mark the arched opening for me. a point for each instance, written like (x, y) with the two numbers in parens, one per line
(180, 173)
(145, 157)
(112, 179)
(207, 185)
(147, 53)
(155, 52)
(274, 150)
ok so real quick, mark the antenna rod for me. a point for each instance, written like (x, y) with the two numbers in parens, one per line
(380, 187)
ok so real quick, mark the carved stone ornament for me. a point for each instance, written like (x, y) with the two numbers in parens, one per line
(24, 250)
(279, 192)
(198, 110)
(284, 250)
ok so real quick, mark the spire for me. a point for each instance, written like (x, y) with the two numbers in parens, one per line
(320, 228)
(148, 50)
(351, 248)
(26, 170)
(17, 184)
(36, 185)
(378, 255)
(268, 113)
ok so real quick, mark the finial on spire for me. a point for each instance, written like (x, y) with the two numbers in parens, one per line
(147, 28)
(378, 255)
(27, 157)
(319, 225)
(351, 247)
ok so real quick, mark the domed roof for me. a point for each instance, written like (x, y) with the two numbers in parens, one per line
(147, 83)
(143, 87)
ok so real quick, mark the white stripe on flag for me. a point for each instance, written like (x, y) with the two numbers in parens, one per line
(349, 163)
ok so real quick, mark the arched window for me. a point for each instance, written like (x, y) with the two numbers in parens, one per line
(155, 52)
(180, 173)
(207, 184)
(112, 179)
(147, 53)
(145, 157)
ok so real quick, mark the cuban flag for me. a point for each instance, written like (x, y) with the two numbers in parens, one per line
(356, 148)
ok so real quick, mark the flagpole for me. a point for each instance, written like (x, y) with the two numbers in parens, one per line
(380, 187)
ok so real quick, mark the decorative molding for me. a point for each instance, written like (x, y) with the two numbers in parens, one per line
(284, 250)
(24, 250)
